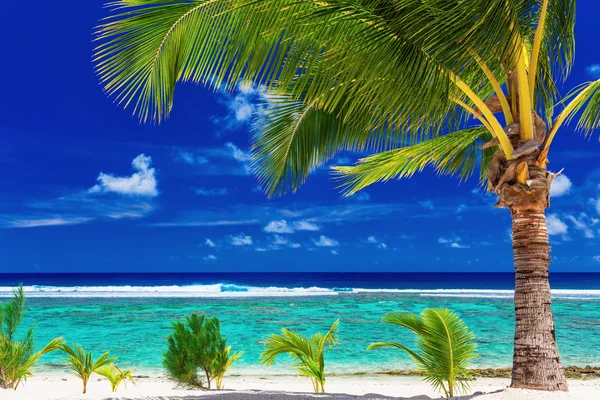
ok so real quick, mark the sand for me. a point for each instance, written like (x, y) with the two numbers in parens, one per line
(61, 386)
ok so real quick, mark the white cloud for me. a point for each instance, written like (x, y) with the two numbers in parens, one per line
(561, 185)
(428, 205)
(223, 222)
(373, 240)
(211, 192)
(334, 252)
(188, 157)
(325, 241)
(210, 257)
(243, 105)
(241, 240)
(35, 223)
(581, 225)
(295, 245)
(306, 226)
(596, 258)
(209, 243)
(280, 226)
(140, 183)
(593, 70)
(237, 153)
(454, 242)
(279, 240)
(597, 203)
(555, 225)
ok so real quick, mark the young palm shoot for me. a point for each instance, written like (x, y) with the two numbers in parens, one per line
(116, 375)
(82, 362)
(222, 363)
(17, 357)
(445, 347)
(308, 352)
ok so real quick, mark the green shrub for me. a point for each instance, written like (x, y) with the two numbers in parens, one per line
(197, 354)
(17, 357)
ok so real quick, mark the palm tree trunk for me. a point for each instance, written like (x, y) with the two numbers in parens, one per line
(536, 363)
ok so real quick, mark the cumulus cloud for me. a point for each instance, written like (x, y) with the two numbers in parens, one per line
(561, 185)
(279, 240)
(140, 183)
(334, 252)
(241, 106)
(325, 241)
(209, 243)
(241, 240)
(210, 257)
(295, 245)
(306, 226)
(555, 225)
(280, 226)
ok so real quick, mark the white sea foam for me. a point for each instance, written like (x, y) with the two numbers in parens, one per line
(240, 291)
(216, 290)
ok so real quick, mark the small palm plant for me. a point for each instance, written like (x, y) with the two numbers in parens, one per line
(445, 347)
(309, 352)
(82, 363)
(222, 363)
(17, 357)
(116, 375)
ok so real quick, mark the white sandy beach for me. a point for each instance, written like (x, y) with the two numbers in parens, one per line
(61, 386)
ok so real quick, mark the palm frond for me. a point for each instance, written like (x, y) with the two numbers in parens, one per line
(455, 153)
(588, 105)
(308, 352)
(445, 344)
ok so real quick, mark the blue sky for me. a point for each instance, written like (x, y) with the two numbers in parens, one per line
(86, 188)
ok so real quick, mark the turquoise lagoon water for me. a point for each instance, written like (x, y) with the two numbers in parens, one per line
(134, 329)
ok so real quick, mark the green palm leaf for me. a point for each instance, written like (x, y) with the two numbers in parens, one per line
(307, 352)
(445, 347)
(455, 153)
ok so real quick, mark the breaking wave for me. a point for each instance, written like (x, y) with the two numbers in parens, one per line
(222, 290)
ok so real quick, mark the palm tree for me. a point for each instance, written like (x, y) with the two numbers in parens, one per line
(400, 78)
(222, 362)
(17, 357)
(116, 375)
(82, 363)
(445, 347)
(309, 352)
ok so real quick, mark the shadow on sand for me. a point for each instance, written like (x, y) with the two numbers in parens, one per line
(271, 395)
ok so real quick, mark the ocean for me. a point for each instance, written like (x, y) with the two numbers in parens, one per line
(129, 314)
